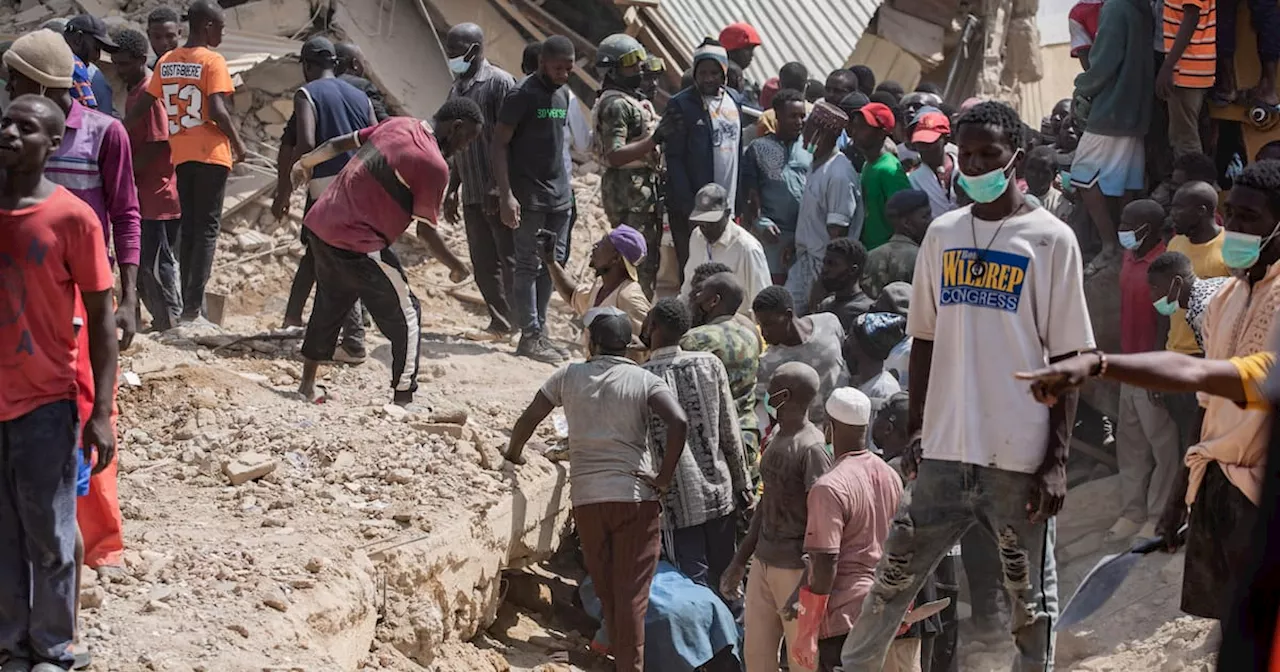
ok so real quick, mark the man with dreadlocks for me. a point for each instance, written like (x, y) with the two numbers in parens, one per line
(828, 208)
(623, 142)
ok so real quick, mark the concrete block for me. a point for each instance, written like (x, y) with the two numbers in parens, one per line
(248, 467)
(275, 17)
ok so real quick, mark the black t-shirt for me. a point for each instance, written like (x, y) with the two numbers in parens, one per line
(535, 157)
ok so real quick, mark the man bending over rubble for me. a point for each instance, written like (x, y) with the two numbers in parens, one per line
(397, 176)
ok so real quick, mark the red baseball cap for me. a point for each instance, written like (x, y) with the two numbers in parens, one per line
(878, 115)
(930, 126)
(739, 36)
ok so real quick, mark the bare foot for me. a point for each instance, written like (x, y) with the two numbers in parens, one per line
(314, 394)
(1261, 95)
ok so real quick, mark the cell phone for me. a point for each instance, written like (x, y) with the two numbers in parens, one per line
(547, 240)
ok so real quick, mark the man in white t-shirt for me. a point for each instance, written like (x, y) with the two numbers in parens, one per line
(997, 284)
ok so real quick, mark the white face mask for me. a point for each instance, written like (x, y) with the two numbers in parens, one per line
(461, 64)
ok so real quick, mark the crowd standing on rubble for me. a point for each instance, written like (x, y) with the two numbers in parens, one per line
(867, 375)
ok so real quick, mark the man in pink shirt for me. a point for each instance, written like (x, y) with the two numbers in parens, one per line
(850, 510)
(157, 187)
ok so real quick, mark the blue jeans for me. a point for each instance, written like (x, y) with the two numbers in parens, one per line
(531, 287)
(38, 534)
(947, 499)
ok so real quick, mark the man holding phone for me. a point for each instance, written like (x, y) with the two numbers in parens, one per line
(534, 193)
(615, 259)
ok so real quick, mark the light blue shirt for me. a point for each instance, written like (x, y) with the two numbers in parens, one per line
(778, 173)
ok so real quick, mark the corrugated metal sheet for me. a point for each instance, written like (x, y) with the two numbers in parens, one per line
(819, 33)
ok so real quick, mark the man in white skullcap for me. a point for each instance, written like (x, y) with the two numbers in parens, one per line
(850, 510)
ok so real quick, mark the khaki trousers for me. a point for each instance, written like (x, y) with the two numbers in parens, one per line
(767, 591)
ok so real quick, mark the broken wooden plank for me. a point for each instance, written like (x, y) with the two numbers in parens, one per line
(555, 26)
(524, 21)
(637, 3)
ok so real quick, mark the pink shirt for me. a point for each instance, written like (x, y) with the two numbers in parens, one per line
(95, 163)
(850, 510)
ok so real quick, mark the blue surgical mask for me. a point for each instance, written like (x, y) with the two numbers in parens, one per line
(459, 65)
(989, 186)
(1129, 240)
(1165, 307)
(1241, 250)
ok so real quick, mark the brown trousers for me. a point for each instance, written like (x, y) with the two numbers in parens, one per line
(620, 544)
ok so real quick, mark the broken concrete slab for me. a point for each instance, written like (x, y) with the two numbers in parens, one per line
(285, 18)
(248, 467)
(400, 54)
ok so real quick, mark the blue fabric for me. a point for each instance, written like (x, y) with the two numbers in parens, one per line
(685, 627)
(340, 109)
(690, 164)
(83, 473)
(101, 90)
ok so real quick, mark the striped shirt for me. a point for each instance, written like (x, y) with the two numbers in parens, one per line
(1198, 65)
(95, 163)
(488, 88)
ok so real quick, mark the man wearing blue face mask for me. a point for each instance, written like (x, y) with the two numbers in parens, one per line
(1148, 449)
(1221, 482)
(998, 286)
(490, 244)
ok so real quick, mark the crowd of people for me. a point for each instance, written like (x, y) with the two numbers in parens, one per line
(863, 379)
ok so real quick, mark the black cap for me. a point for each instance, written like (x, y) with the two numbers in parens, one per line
(93, 26)
(319, 50)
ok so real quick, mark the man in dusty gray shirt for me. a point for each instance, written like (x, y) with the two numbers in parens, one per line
(614, 491)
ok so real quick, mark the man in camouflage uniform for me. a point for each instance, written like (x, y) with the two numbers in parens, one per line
(624, 143)
(895, 261)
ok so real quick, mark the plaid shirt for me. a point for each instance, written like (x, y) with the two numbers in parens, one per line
(81, 85)
(488, 88)
(712, 468)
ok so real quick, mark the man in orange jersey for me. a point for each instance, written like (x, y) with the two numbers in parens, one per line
(194, 84)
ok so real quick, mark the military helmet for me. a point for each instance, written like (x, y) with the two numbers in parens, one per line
(619, 51)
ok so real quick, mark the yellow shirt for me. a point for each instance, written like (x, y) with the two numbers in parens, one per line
(1206, 261)
(1253, 371)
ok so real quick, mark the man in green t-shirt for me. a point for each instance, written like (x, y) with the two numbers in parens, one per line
(882, 175)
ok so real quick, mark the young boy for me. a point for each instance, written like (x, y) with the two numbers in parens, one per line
(1174, 285)
(909, 213)
(871, 337)
(1040, 169)
(794, 459)
(1147, 446)
(56, 243)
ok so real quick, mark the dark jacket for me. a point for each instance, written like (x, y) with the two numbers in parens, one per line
(688, 150)
(370, 89)
(1120, 81)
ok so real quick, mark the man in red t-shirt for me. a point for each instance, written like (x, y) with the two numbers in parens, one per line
(51, 245)
(157, 188)
(397, 176)
(1148, 448)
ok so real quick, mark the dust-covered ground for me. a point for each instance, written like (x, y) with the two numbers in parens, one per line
(319, 564)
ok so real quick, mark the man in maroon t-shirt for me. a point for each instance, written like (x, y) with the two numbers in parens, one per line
(1148, 448)
(397, 176)
(157, 188)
